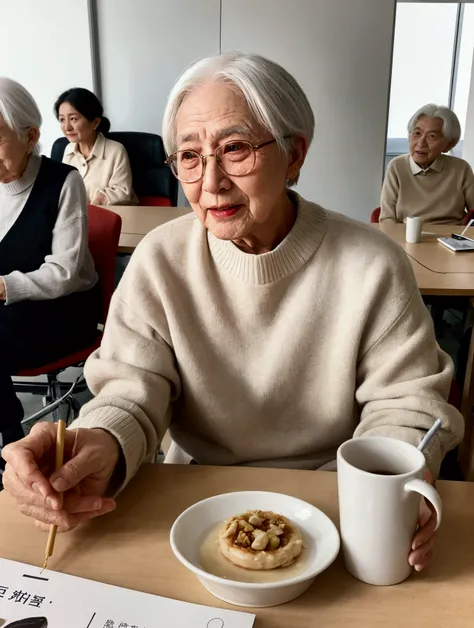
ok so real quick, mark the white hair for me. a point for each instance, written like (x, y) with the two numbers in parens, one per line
(19, 109)
(451, 125)
(273, 96)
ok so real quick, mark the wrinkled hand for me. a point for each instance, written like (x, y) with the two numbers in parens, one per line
(72, 495)
(100, 199)
(3, 290)
(425, 537)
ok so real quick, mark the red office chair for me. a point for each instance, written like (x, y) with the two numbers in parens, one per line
(375, 215)
(154, 201)
(469, 216)
(104, 235)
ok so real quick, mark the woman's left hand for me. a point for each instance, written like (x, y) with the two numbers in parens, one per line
(425, 537)
(99, 199)
(3, 290)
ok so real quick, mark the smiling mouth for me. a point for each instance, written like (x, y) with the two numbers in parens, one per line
(224, 211)
(223, 207)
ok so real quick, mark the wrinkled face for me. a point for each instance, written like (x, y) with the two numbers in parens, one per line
(13, 153)
(231, 207)
(75, 126)
(427, 141)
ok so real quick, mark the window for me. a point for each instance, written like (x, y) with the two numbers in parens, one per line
(464, 65)
(432, 62)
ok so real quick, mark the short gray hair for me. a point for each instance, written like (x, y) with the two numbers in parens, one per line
(18, 108)
(274, 97)
(451, 125)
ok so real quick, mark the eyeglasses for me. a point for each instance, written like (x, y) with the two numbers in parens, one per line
(235, 158)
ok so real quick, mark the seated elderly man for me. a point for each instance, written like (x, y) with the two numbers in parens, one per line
(261, 329)
(426, 183)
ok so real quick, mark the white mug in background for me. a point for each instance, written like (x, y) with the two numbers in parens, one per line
(413, 229)
(380, 487)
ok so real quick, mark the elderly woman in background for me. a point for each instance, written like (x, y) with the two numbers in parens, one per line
(262, 330)
(426, 183)
(103, 163)
(48, 302)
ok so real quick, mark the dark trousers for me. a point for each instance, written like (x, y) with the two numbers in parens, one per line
(34, 333)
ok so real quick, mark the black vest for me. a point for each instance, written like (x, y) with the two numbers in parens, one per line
(30, 238)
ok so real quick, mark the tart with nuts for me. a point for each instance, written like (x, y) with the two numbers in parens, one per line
(260, 539)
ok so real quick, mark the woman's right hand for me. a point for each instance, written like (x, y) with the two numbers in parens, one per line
(72, 495)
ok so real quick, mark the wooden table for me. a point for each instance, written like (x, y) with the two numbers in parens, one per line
(437, 269)
(138, 221)
(440, 271)
(130, 548)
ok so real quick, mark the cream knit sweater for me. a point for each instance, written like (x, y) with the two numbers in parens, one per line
(440, 194)
(272, 359)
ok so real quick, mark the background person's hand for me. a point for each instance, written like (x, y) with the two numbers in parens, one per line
(3, 290)
(75, 493)
(99, 199)
(425, 537)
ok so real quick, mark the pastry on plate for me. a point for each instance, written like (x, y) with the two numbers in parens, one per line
(260, 539)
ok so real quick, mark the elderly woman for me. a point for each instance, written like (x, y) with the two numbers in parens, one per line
(426, 183)
(103, 163)
(261, 330)
(48, 302)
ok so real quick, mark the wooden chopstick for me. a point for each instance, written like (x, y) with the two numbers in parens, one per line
(61, 432)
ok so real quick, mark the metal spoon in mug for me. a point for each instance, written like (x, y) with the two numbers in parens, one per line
(429, 435)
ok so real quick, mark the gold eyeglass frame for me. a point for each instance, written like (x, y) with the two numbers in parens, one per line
(204, 158)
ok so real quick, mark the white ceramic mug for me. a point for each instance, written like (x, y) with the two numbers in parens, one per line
(379, 512)
(413, 229)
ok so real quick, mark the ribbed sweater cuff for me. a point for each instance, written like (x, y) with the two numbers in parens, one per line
(15, 289)
(125, 429)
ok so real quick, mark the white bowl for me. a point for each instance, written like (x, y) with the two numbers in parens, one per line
(320, 538)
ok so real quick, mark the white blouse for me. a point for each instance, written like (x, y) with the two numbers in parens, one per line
(70, 267)
(106, 170)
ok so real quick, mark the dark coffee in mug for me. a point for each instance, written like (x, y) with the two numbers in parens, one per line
(378, 513)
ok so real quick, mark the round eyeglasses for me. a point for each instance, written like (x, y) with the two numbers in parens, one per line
(235, 158)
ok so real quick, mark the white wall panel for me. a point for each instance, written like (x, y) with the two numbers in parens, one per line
(144, 47)
(340, 52)
(45, 45)
(468, 146)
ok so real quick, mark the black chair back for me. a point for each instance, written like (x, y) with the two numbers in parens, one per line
(151, 176)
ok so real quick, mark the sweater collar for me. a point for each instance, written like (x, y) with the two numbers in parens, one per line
(436, 166)
(288, 257)
(25, 181)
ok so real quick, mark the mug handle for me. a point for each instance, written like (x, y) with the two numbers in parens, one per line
(429, 493)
